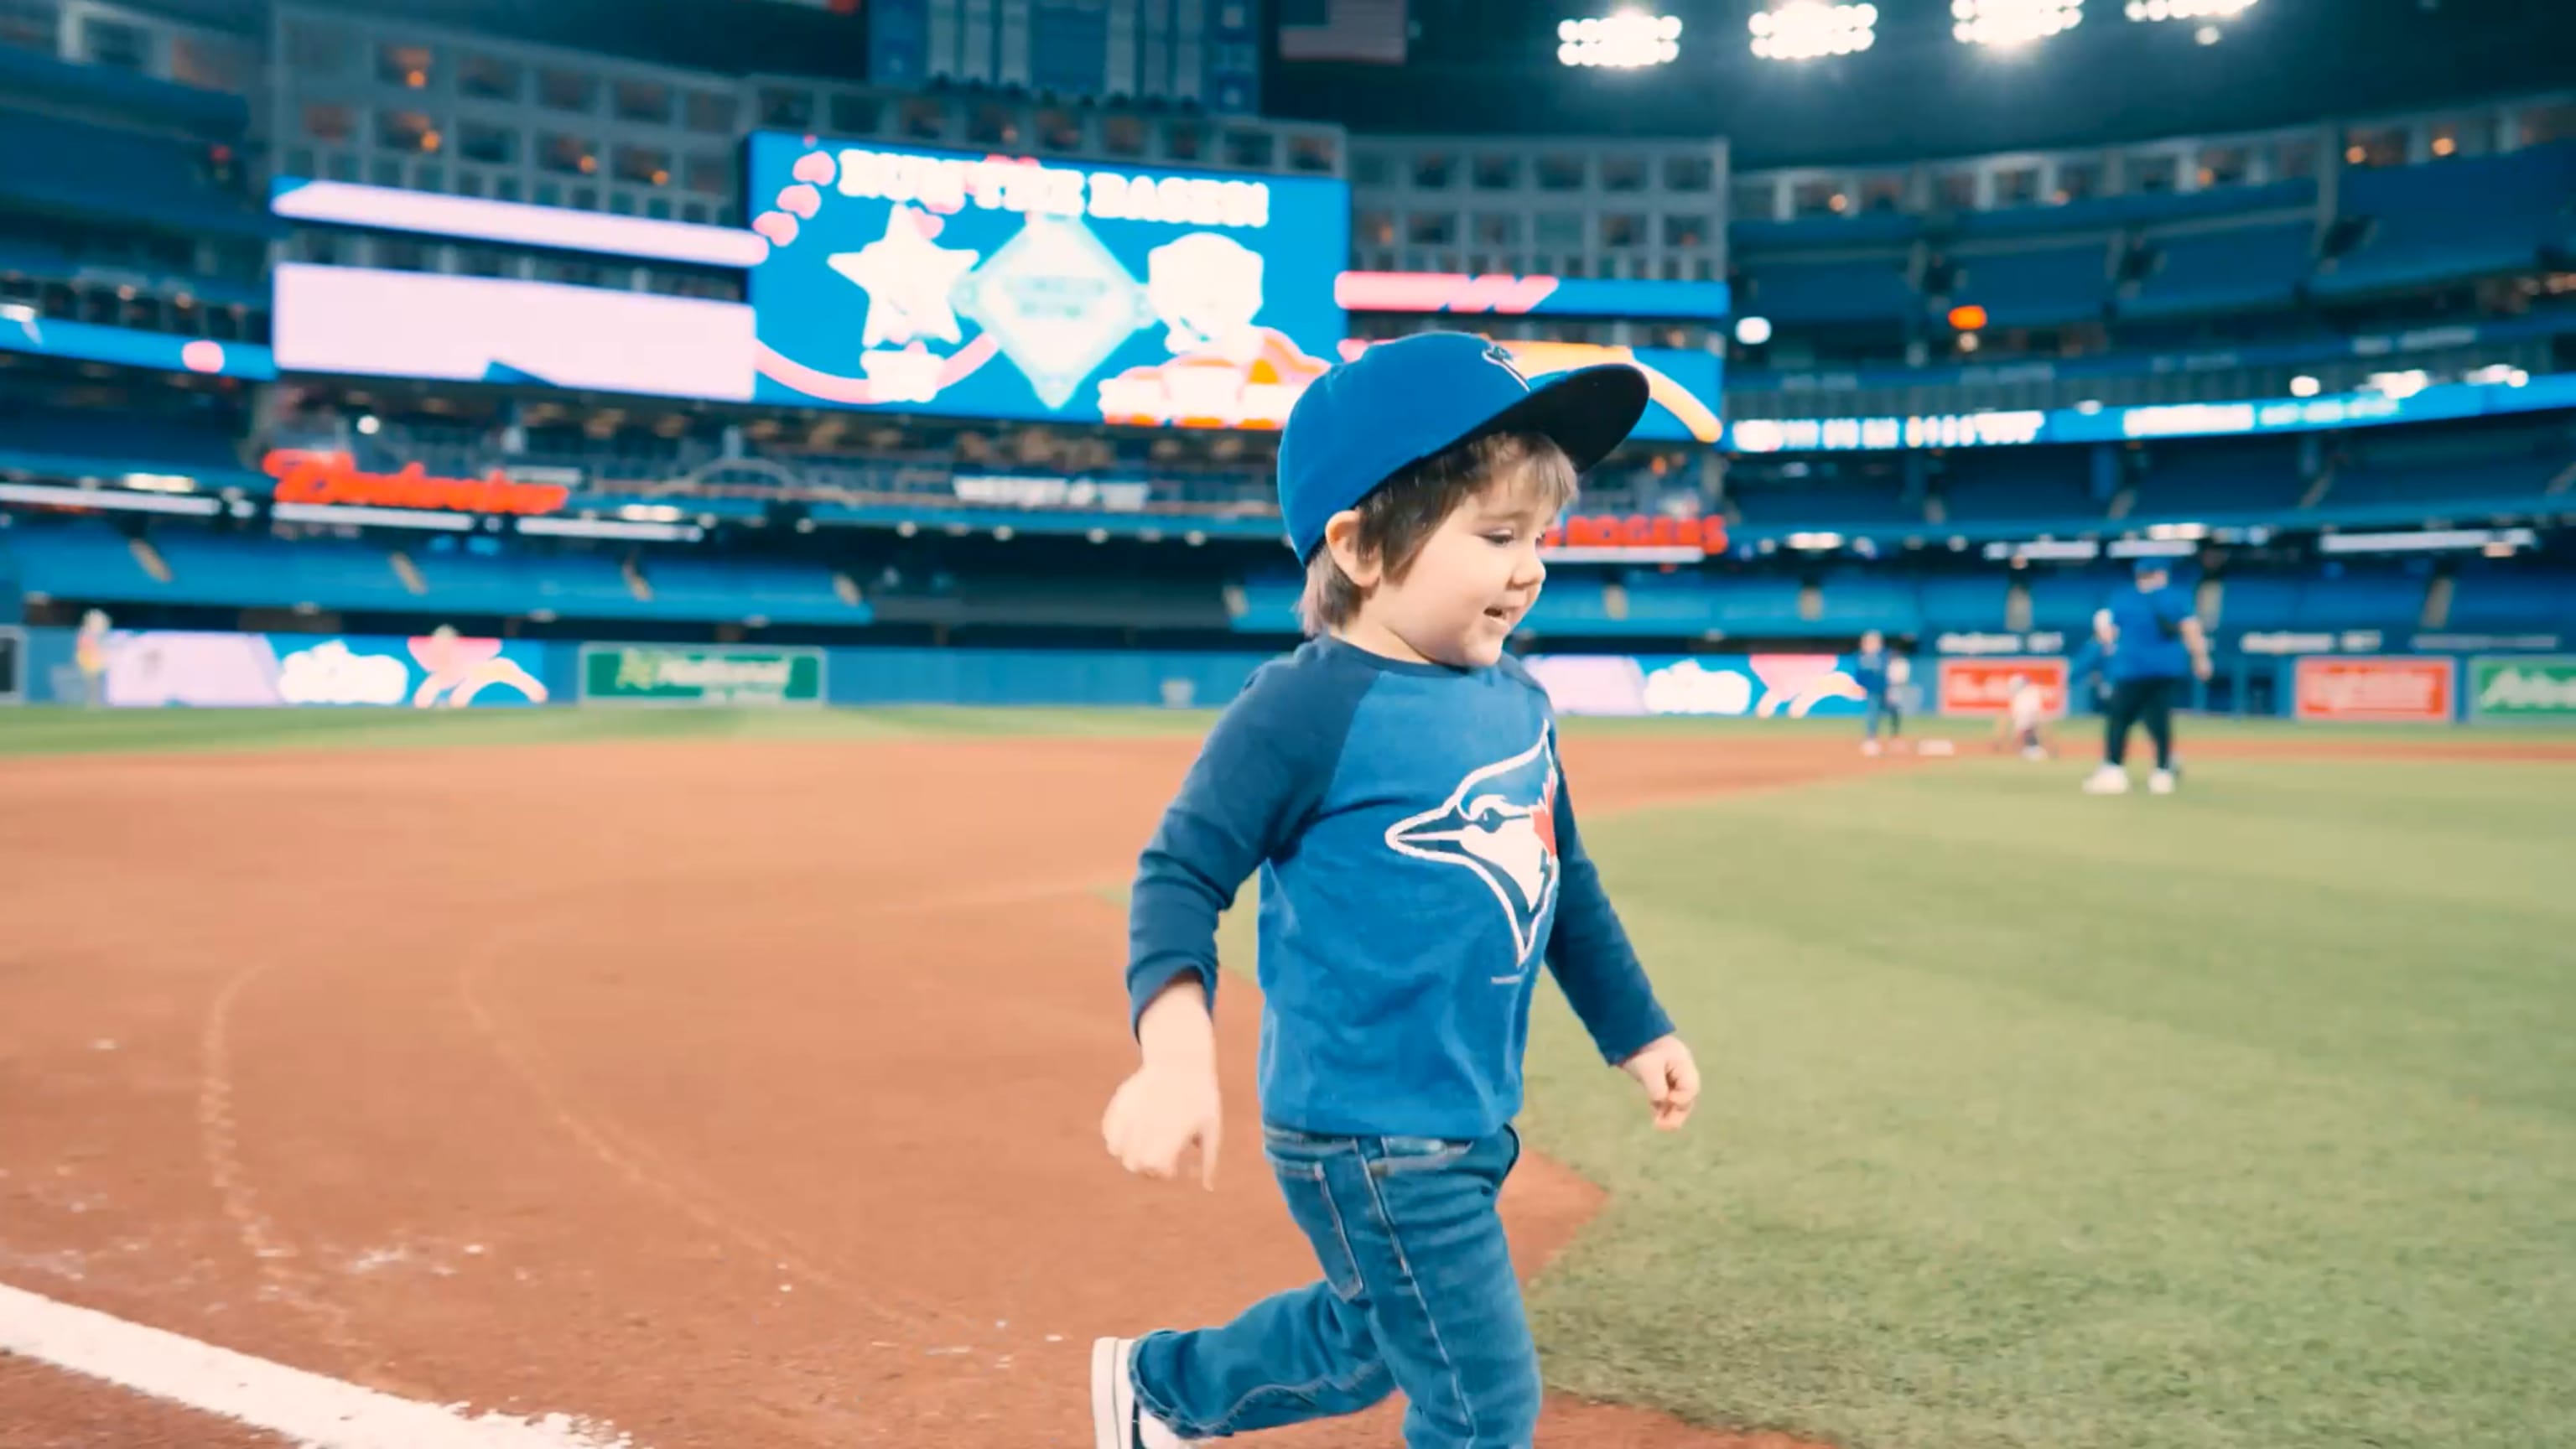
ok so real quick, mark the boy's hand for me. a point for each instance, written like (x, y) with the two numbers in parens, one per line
(1171, 1102)
(1671, 1079)
(1158, 1113)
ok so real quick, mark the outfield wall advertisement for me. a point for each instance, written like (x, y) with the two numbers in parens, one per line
(156, 667)
(688, 674)
(1754, 686)
(1983, 688)
(2387, 689)
(2522, 687)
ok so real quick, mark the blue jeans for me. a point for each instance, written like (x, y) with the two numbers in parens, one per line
(1418, 1294)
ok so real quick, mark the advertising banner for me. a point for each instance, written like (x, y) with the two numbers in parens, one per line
(978, 285)
(152, 668)
(1757, 686)
(1983, 688)
(2523, 687)
(2388, 689)
(700, 674)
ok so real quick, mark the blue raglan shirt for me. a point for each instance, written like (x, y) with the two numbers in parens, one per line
(1418, 862)
(2150, 641)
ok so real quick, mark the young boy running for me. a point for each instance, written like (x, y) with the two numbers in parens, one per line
(1396, 784)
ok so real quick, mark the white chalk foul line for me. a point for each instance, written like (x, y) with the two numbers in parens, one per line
(306, 1408)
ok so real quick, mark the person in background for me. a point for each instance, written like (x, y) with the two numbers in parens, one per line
(89, 655)
(2155, 644)
(1870, 670)
(2087, 672)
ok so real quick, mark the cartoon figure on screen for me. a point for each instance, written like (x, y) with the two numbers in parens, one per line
(1227, 369)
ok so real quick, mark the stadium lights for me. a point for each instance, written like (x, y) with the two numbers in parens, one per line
(1625, 41)
(2153, 10)
(2013, 22)
(1809, 29)
(1753, 331)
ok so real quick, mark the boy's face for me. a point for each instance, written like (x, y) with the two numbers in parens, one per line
(1471, 584)
(1872, 642)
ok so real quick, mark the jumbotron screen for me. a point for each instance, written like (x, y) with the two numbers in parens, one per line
(1008, 287)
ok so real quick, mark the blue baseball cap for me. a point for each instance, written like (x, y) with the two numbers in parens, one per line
(1403, 401)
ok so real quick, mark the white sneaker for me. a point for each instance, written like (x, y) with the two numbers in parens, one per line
(1116, 1421)
(2161, 783)
(1869, 747)
(2033, 753)
(2108, 780)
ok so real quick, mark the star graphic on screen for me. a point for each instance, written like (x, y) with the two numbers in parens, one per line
(907, 277)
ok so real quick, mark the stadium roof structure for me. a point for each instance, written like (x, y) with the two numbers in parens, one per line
(1490, 66)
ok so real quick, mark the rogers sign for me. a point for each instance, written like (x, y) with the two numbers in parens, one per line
(309, 477)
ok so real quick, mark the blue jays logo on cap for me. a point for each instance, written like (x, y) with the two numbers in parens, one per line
(1500, 824)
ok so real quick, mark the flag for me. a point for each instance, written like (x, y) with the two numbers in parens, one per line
(1371, 31)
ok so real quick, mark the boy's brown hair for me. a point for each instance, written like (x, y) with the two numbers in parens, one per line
(1400, 517)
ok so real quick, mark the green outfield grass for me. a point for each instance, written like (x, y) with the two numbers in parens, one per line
(2245, 1117)
(2241, 1118)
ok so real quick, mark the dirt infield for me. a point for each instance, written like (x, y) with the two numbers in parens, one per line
(728, 1094)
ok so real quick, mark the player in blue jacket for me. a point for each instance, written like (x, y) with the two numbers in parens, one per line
(2155, 645)
(1397, 785)
(1871, 668)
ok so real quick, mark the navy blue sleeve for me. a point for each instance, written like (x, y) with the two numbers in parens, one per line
(2172, 607)
(1589, 951)
(1257, 780)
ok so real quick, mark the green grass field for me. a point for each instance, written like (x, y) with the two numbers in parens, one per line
(2241, 1118)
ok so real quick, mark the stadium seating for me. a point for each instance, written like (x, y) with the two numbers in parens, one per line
(1824, 505)
(2455, 219)
(2039, 287)
(91, 170)
(781, 592)
(2219, 480)
(2508, 598)
(1860, 599)
(64, 443)
(2240, 268)
(2039, 484)
(2066, 599)
(1812, 292)
(1970, 602)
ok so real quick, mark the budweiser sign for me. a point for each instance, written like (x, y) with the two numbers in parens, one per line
(2385, 689)
(1985, 686)
(308, 477)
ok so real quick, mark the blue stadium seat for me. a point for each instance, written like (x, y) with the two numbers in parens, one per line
(2239, 269)
(1860, 599)
(2258, 601)
(1871, 290)
(82, 559)
(572, 585)
(2512, 598)
(2041, 287)
(2216, 480)
(1759, 606)
(2066, 600)
(1964, 602)
(1824, 505)
(2360, 597)
(2448, 220)
(66, 443)
(2031, 483)
(781, 592)
(66, 165)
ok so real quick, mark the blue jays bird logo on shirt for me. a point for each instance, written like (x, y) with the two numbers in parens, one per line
(1500, 823)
